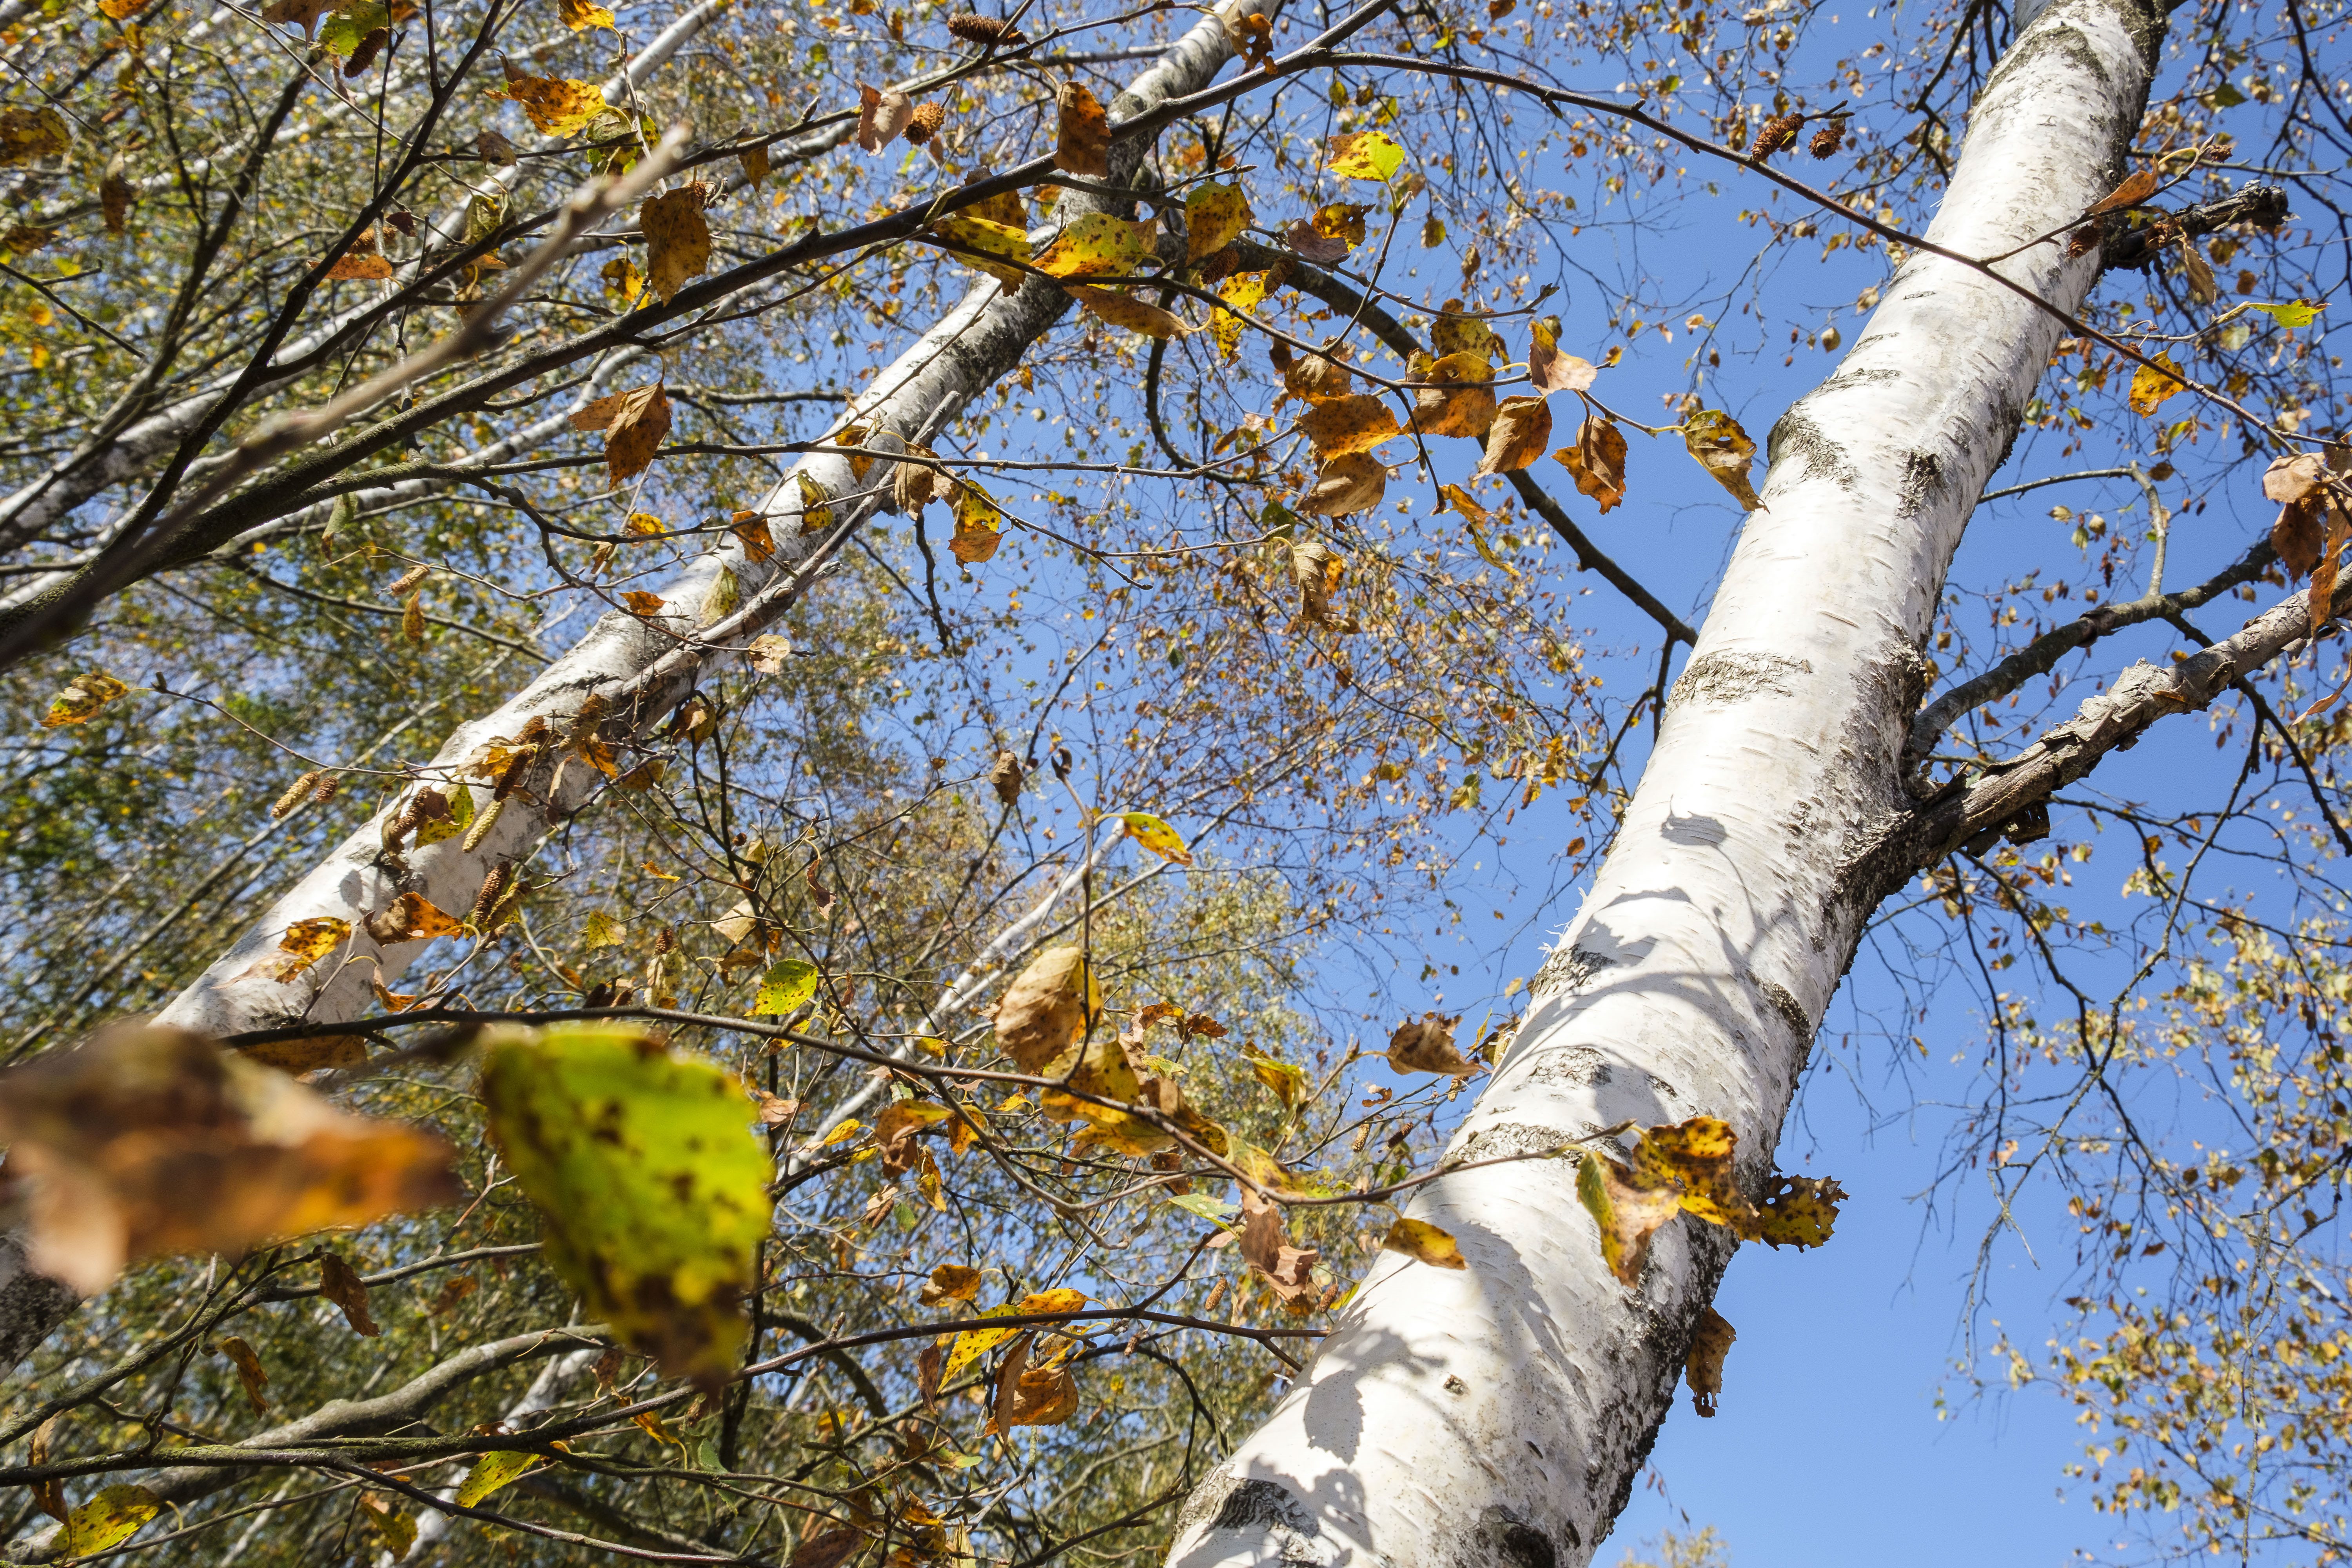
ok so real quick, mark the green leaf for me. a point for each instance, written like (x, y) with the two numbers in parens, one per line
(1216, 1210)
(651, 1190)
(705, 1456)
(1365, 155)
(784, 987)
(1156, 836)
(490, 1473)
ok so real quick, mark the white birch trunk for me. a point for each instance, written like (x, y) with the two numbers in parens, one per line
(1498, 1415)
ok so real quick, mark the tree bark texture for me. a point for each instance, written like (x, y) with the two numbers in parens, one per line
(1499, 1414)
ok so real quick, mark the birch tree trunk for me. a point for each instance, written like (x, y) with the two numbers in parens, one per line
(1499, 1414)
(640, 669)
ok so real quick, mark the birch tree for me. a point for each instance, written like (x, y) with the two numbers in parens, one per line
(760, 839)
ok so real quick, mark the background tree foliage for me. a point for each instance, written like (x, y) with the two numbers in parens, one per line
(1195, 598)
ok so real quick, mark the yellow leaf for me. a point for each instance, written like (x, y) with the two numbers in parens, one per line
(1287, 1083)
(790, 983)
(978, 523)
(81, 699)
(28, 135)
(987, 238)
(1723, 449)
(1455, 333)
(492, 1472)
(305, 942)
(623, 282)
(580, 16)
(557, 106)
(1214, 216)
(147, 1143)
(412, 917)
(1364, 155)
(677, 239)
(1098, 243)
(111, 1518)
(1242, 294)
(2152, 384)
(1356, 423)
(645, 525)
(249, 1371)
(1156, 836)
(1424, 1243)
(950, 1282)
(651, 1191)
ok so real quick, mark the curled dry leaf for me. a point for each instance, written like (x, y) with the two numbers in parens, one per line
(1046, 1008)
(1126, 310)
(340, 1283)
(1156, 836)
(914, 485)
(827, 1546)
(677, 239)
(1356, 423)
(147, 1141)
(1711, 1339)
(651, 1191)
(2130, 194)
(491, 146)
(634, 422)
(1424, 1243)
(1521, 430)
(768, 653)
(1265, 1247)
(950, 1282)
(881, 115)
(249, 1370)
(1351, 483)
(1317, 568)
(1426, 1045)
(1550, 369)
(1302, 238)
(2290, 480)
(412, 917)
(1082, 138)
(1597, 461)
(1005, 778)
(1723, 450)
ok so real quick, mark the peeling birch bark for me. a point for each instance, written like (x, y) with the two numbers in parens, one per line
(643, 667)
(1499, 1414)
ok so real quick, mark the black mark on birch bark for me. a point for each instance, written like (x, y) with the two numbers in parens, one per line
(1567, 970)
(1734, 676)
(1796, 433)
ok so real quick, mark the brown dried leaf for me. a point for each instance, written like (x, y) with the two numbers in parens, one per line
(1047, 1008)
(2323, 574)
(340, 1283)
(677, 239)
(1082, 139)
(412, 917)
(1349, 483)
(634, 422)
(1521, 430)
(1597, 461)
(2289, 480)
(1426, 1045)
(297, 1057)
(1459, 402)
(2130, 194)
(2298, 534)
(1550, 369)
(1005, 778)
(881, 116)
(147, 1141)
(249, 1370)
(828, 1548)
(1711, 1339)
(1314, 378)
(1723, 450)
(1126, 310)
(1265, 1247)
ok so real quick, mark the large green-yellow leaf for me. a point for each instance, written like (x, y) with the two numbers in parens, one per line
(1156, 836)
(1094, 243)
(1365, 155)
(981, 239)
(784, 987)
(651, 1190)
(490, 1472)
(111, 1518)
(1214, 216)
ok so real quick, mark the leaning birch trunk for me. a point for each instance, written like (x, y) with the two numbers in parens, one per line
(640, 669)
(1498, 1414)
